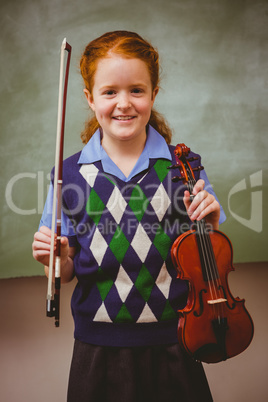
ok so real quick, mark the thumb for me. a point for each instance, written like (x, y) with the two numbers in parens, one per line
(64, 247)
(64, 241)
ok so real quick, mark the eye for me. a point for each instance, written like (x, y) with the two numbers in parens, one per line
(137, 90)
(109, 92)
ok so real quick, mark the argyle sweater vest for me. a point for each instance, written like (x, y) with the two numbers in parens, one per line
(128, 292)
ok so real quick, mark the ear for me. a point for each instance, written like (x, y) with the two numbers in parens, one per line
(155, 92)
(90, 100)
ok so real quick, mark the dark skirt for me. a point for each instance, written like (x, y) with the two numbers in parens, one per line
(141, 374)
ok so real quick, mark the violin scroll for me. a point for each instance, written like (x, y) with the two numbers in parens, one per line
(186, 171)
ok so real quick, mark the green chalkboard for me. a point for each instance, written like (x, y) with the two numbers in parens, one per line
(213, 93)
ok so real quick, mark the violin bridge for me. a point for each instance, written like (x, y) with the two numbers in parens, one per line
(220, 300)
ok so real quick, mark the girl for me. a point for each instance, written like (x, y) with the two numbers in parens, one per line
(121, 214)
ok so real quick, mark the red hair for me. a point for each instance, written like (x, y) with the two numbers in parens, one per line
(130, 45)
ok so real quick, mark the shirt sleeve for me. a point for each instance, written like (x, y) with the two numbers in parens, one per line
(67, 228)
(209, 189)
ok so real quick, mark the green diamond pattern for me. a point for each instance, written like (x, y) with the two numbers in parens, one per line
(94, 206)
(138, 202)
(144, 283)
(104, 284)
(168, 312)
(161, 168)
(162, 242)
(119, 244)
(123, 315)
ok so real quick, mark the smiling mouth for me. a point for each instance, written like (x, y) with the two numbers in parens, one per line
(124, 118)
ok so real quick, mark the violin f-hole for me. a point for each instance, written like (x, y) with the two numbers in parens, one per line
(201, 303)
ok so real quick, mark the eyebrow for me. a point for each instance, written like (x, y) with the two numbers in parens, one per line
(116, 85)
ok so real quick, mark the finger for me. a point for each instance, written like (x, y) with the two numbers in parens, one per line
(206, 205)
(39, 254)
(187, 199)
(195, 202)
(45, 230)
(40, 245)
(41, 239)
(199, 186)
(192, 202)
(39, 236)
(211, 209)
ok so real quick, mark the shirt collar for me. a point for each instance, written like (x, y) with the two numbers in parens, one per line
(155, 147)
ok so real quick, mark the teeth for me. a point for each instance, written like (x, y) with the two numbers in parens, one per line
(123, 118)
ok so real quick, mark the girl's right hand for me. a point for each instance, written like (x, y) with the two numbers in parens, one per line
(41, 246)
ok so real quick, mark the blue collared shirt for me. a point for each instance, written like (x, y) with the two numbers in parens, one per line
(155, 148)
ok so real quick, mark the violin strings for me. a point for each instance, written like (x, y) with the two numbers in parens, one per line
(207, 264)
(211, 265)
(191, 183)
(208, 256)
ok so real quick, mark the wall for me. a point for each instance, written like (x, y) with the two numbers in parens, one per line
(214, 95)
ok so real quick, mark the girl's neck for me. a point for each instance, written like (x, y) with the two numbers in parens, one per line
(124, 154)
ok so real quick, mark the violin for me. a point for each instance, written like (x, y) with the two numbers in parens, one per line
(213, 326)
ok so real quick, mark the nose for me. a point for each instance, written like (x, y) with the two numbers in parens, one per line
(123, 102)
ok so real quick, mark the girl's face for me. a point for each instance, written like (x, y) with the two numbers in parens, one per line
(122, 98)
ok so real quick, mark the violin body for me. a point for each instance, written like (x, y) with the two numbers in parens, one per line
(213, 326)
(210, 332)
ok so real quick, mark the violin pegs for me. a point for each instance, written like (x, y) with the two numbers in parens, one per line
(173, 166)
(194, 158)
(175, 179)
(197, 169)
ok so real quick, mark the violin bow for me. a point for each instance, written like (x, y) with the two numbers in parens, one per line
(53, 290)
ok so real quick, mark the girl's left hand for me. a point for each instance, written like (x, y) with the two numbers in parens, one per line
(204, 205)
